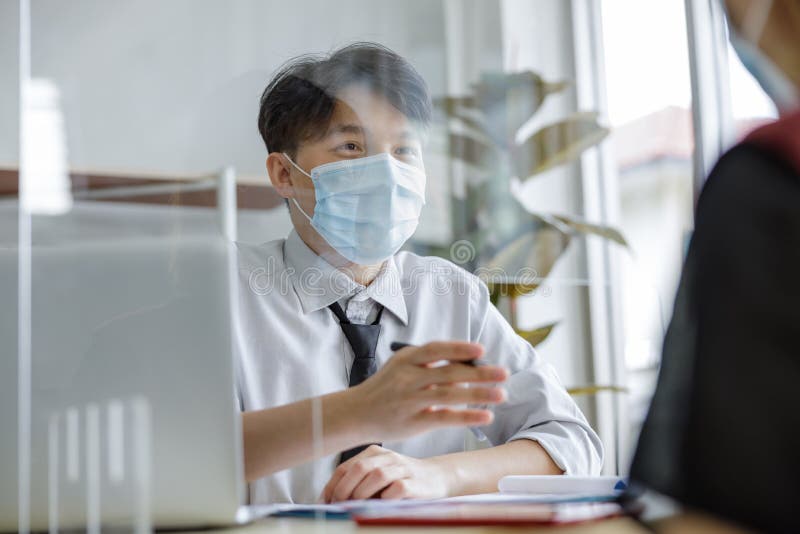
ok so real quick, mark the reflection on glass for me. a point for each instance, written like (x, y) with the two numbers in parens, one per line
(45, 176)
(142, 161)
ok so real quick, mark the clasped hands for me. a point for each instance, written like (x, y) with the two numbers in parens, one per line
(418, 390)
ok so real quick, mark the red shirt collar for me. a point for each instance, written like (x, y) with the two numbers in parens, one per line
(781, 138)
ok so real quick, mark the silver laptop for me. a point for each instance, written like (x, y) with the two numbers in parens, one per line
(133, 413)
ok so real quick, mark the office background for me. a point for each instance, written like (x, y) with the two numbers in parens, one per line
(143, 94)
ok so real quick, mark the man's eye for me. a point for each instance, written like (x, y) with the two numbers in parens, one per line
(352, 147)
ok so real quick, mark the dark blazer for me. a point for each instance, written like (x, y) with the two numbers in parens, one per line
(723, 431)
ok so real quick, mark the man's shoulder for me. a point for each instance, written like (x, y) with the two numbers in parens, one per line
(434, 271)
(407, 262)
(258, 254)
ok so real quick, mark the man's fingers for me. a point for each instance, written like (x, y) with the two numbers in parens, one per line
(378, 479)
(354, 472)
(458, 372)
(399, 489)
(327, 491)
(442, 350)
(441, 395)
(343, 468)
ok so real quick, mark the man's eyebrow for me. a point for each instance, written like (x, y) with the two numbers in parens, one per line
(357, 129)
(345, 129)
(409, 134)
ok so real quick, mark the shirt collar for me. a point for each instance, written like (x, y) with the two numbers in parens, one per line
(318, 284)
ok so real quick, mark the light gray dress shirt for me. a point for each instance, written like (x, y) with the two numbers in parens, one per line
(290, 347)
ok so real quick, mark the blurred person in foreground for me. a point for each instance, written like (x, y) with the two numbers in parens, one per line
(723, 432)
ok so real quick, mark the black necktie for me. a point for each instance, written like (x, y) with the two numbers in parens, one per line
(363, 339)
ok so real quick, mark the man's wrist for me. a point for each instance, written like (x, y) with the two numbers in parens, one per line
(450, 472)
(345, 413)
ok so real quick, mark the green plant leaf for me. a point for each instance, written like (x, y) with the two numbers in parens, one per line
(537, 335)
(450, 104)
(494, 294)
(508, 287)
(529, 258)
(557, 144)
(592, 389)
(474, 123)
(509, 100)
(463, 109)
(584, 227)
(470, 150)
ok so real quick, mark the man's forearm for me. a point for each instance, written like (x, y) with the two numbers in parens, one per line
(282, 437)
(479, 471)
(393, 404)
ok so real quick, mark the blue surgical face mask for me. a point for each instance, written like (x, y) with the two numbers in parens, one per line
(366, 208)
(775, 83)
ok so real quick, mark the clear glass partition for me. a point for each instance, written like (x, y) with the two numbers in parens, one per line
(134, 177)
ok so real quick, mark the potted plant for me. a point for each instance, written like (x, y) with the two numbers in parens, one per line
(514, 249)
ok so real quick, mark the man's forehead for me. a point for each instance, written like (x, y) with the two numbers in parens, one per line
(399, 129)
(343, 127)
(360, 109)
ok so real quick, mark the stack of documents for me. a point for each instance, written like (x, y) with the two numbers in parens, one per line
(561, 484)
(523, 500)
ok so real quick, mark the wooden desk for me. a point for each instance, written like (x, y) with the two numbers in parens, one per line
(308, 526)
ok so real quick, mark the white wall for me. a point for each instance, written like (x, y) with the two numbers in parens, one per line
(173, 87)
(9, 82)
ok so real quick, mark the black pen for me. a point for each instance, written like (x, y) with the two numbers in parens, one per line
(397, 345)
(477, 432)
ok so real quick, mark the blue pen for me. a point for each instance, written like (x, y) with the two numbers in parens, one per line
(477, 432)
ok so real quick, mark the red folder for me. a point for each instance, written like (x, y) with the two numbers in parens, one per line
(494, 514)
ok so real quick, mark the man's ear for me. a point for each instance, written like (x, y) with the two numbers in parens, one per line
(279, 170)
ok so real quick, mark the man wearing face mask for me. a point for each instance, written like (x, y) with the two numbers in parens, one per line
(723, 432)
(320, 309)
